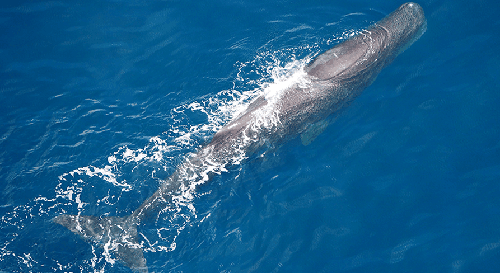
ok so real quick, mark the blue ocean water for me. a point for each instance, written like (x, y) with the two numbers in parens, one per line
(101, 100)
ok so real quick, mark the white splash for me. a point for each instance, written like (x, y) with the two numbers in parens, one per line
(266, 76)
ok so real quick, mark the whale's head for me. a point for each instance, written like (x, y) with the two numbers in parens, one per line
(367, 53)
(404, 26)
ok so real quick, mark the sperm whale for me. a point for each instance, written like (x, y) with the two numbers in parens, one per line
(331, 81)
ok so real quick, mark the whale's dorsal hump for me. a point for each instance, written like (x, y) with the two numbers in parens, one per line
(337, 60)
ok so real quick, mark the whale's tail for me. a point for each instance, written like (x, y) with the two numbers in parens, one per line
(114, 234)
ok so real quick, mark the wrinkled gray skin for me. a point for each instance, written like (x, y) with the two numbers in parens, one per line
(336, 77)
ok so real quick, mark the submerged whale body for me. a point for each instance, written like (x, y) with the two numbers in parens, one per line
(333, 79)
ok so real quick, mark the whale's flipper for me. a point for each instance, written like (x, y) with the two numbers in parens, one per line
(117, 234)
(313, 131)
